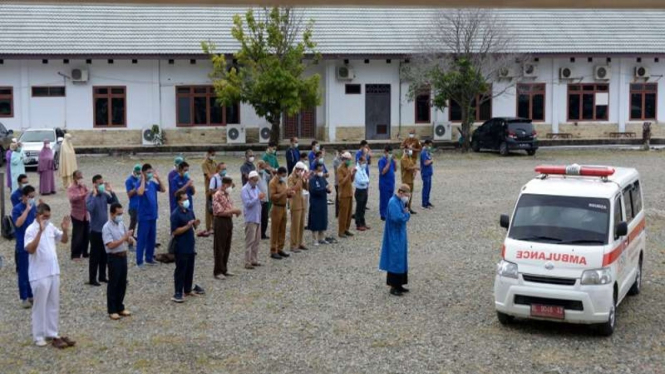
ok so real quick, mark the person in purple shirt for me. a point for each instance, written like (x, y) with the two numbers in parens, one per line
(251, 200)
(181, 182)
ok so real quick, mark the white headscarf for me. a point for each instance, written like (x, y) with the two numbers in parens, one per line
(68, 164)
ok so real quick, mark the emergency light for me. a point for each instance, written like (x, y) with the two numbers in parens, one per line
(585, 171)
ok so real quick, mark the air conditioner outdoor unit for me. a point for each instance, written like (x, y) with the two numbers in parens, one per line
(530, 70)
(149, 137)
(641, 72)
(235, 134)
(345, 73)
(442, 131)
(565, 73)
(602, 72)
(79, 75)
(506, 73)
(264, 133)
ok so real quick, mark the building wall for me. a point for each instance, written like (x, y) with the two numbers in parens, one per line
(150, 87)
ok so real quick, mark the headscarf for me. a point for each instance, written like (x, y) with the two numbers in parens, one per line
(68, 164)
(46, 162)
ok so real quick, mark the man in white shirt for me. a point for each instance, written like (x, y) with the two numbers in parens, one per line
(44, 274)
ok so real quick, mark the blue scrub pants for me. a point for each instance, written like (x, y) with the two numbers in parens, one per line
(427, 187)
(385, 193)
(24, 289)
(147, 237)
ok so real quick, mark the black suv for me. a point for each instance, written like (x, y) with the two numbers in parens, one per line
(505, 134)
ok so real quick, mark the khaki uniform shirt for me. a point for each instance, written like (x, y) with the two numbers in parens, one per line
(345, 187)
(276, 187)
(298, 185)
(209, 169)
(407, 175)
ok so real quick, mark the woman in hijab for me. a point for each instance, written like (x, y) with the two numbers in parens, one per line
(8, 162)
(17, 166)
(68, 164)
(46, 168)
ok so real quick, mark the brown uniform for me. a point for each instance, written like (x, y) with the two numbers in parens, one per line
(415, 145)
(345, 198)
(209, 169)
(277, 214)
(297, 210)
(408, 175)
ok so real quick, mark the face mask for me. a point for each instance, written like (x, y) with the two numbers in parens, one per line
(46, 222)
(321, 160)
(31, 201)
(101, 188)
(389, 156)
(229, 189)
(317, 148)
(409, 153)
(253, 183)
(149, 176)
(282, 179)
(186, 175)
(222, 173)
(47, 145)
(137, 174)
(347, 162)
(211, 157)
(185, 204)
(320, 174)
(18, 149)
(405, 199)
(118, 218)
(251, 159)
(362, 164)
(412, 135)
(295, 145)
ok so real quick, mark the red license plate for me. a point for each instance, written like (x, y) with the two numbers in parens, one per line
(547, 311)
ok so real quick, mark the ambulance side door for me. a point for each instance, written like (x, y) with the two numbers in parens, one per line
(637, 235)
(618, 242)
(624, 267)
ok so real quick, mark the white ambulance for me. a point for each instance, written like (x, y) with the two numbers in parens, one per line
(575, 246)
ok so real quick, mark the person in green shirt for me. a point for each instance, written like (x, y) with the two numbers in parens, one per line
(270, 157)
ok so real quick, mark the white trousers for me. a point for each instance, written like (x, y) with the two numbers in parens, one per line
(46, 307)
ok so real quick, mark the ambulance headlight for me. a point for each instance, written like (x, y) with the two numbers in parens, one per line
(598, 276)
(507, 269)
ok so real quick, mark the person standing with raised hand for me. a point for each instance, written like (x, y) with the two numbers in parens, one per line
(387, 170)
(346, 175)
(67, 164)
(116, 238)
(209, 168)
(292, 155)
(279, 193)
(361, 183)
(298, 181)
(426, 172)
(318, 208)
(247, 166)
(183, 224)
(223, 210)
(409, 170)
(23, 215)
(150, 185)
(44, 273)
(77, 194)
(46, 169)
(251, 197)
(181, 182)
(270, 157)
(97, 204)
(131, 186)
(17, 165)
(395, 247)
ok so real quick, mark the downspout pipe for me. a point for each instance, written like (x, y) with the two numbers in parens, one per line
(399, 109)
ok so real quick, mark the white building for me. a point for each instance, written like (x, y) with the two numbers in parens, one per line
(143, 65)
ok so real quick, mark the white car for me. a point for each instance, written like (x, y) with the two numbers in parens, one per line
(32, 141)
(575, 246)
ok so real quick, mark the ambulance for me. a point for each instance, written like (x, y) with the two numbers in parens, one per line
(575, 247)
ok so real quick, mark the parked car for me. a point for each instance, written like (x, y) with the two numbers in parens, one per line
(32, 141)
(505, 134)
(5, 140)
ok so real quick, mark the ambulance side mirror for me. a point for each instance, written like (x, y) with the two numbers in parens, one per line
(504, 221)
(621, 229)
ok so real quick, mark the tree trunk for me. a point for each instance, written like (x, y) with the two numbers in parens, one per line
(466, 125)
(275, 130)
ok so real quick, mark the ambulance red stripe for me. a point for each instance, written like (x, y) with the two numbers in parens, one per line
(609, 258)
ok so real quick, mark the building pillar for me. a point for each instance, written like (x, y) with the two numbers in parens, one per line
(329, 78)
(24, 95)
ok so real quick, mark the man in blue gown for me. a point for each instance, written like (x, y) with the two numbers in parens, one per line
(387, 169)
(395, 247)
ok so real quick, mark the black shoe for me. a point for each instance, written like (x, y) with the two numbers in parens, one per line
(157, 245)
(403, 290)
(366, 208)
(412, 212)
(96, 284)
(275, 256)
(104, 280)
(430, 206)
(395, 292)
(383, 218)
(283, 254)
(265, 237)
(198, 290)
(348, 233)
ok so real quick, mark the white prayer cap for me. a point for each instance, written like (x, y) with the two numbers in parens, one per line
(346, 155)
(300, 165)
(253, 174)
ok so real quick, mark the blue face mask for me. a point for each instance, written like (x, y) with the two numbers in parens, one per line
(101, 188)
(31, 201)
(222, 173)
(118, 218)
(149, 176)
(186, 175)
(185, 204)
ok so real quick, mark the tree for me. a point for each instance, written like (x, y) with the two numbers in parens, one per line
(268, 73)
(465, 52)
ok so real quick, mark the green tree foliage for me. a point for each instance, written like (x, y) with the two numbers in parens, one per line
(269, 74)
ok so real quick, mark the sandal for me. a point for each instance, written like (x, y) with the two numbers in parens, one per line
(69, 342)
(59, 343)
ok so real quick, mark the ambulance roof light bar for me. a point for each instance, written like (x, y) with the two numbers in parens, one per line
(576, 170)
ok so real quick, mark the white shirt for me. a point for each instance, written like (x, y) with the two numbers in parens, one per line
(215, 182)
(44, 262)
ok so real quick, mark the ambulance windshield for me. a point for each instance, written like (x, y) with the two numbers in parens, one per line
(561, 220)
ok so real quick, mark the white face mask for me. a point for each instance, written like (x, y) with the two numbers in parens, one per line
(282, 179)
(229, 189)
(412, 135)
(409, 152)
(251, 159)
(320, 174)
(405, 199)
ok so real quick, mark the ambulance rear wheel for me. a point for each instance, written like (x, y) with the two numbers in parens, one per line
(607, 328)
(504, 319)
(637, 286)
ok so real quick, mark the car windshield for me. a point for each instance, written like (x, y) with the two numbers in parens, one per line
(37, 136)
(561, 220)
(520, 126)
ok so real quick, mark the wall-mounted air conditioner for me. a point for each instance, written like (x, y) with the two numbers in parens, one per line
(602, 72)
(565, 73)
(345, 73)
(642, 72)
(264, 133)
(530, 70)
(506, 73)
(235, 134)
(442, 131)
(79, 75)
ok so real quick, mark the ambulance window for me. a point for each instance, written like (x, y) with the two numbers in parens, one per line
(618, 214)
(636, 197)
(628, 204)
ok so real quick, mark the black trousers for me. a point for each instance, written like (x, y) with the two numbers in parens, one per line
(183, 275)
(397, 280)
(133, 220)
(80, 238)
(115, 291)
(97, 262)
(361, 204)
(336, 201)
(265, 214)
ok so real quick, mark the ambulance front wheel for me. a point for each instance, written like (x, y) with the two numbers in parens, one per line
(637, 286)
(504, 319)
(607, 328)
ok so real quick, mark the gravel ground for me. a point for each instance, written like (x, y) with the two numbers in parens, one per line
(328, 309)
